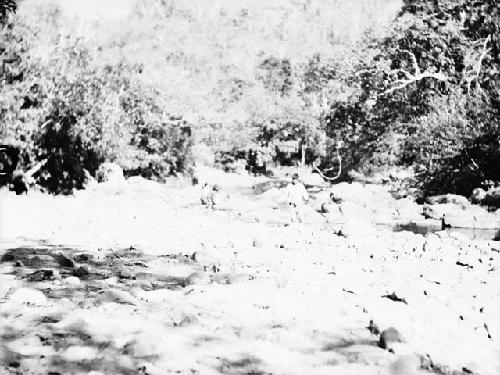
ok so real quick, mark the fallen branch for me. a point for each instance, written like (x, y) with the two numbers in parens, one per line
(339, 158)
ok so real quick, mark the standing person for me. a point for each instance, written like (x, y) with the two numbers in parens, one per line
(296, 196)
(207, 196)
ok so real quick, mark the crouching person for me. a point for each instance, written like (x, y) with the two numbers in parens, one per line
(332, 212)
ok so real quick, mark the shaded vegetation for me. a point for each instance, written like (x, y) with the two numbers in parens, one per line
(420, 92)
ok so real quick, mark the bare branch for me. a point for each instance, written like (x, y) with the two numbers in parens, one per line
(35, 168)
(418, 75)
(414, 61)
(472, 72)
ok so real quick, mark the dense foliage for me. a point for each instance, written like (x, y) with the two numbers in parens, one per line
(6, 7)
(428, 96)
(77, 114)
(423, 92)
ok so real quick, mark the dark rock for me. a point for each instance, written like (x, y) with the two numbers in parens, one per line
(83, 257)
(41, 275)
(372, 327)
(65, 261)
(19, 264)
(492, 197)
(394, 297)
(125, 274)
(8, 257)
(388, 336)
(81, 271)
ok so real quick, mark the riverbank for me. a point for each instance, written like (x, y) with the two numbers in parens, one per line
(140, 276)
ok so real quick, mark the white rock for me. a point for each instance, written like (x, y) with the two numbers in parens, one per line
(28, 295)
(80, 353)
(147, 344)
(118, 296)
(110, 172)
(405, 365)
(73, 280)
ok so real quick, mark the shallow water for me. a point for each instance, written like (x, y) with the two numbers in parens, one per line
(471, 233)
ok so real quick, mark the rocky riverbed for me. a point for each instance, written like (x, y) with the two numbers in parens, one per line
(139, 278)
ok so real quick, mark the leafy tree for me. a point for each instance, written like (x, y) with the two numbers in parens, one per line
(76, 114)
(6, 7)
(433, 81)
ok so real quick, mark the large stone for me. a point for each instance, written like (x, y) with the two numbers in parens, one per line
(447, 198)
(405, 365)
(28, 295)
(110, 172)
(492, 197)
(80, 353)
(65, 261)
(73, 281)
(81, 271)
(388, 337)
(477, 196)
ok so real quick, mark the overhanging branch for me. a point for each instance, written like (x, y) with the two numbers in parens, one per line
(418, 75)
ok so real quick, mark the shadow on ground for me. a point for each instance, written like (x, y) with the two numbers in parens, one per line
(65, 273)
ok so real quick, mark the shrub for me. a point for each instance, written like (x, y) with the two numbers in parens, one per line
(77, 115)
(456, 147)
